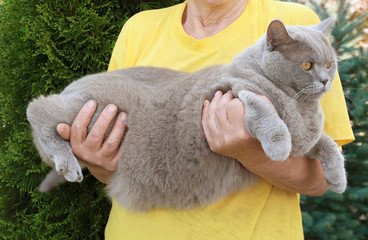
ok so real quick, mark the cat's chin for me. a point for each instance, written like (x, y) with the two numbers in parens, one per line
(320, 94)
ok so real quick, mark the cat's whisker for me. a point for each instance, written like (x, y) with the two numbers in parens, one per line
(306, 96)
(297, 95)
(294, 98)
(300, 93)
(305, 92)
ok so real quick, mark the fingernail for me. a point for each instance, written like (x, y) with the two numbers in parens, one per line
(91, 103)
(111, 108)
(123, 116)
(217, 93)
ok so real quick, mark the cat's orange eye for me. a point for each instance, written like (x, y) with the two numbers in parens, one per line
(307, 66)
(328, 65)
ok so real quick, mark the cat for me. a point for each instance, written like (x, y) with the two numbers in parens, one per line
(166, 161)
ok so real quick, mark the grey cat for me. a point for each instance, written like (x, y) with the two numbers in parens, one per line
(166, 161)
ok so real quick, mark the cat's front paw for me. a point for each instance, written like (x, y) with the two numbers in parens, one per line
(277, 143)
(277, 150)
(69, 167)
(263, 122)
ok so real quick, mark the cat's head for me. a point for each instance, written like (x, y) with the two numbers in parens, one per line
(300, 60)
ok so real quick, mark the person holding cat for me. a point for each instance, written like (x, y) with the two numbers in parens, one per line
(190, 36)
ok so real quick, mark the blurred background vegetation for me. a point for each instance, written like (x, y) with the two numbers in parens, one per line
(46, 44)
(344, 216)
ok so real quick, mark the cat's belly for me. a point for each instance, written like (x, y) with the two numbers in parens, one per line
(166, 157)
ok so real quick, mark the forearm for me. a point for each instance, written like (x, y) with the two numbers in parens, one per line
(223, 126)
(300, 174)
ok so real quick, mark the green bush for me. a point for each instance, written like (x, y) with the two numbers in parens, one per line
(44, 46)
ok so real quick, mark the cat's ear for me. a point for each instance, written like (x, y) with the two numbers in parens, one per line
(325, 26)
(277, 35)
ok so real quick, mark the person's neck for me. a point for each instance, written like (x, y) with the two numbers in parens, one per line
(203, 18)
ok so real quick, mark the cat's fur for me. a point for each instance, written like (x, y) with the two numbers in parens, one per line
(166, 161)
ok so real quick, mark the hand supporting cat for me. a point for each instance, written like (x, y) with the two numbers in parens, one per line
(166, 160)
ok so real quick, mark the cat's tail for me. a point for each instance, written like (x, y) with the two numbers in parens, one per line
(52, 179)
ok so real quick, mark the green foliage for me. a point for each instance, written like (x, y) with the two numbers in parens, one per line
(44, 46)
(335, 216)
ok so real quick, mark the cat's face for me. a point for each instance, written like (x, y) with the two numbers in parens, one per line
(300, 60)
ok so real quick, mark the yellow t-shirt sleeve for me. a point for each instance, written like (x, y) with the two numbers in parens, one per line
(120, 57)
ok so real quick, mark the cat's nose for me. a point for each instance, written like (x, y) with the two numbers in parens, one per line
(324, 82)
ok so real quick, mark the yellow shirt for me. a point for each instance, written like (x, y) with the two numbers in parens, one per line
(157, 38)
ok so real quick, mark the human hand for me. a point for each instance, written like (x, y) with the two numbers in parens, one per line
(226, 134)
(223, 125)
(100, 156)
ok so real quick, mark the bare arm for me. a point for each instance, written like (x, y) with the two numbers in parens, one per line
(100, 156)
(223, 123)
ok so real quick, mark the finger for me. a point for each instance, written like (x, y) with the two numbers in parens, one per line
(266, 99)
(211, 110)
(114, 163)
(216, 98)
(206, 132)
(221, 115)
(225, 99)
(96, 136)
(79, 127)
(64, 131)
(102, 165)
(112, 143)
(235, 112)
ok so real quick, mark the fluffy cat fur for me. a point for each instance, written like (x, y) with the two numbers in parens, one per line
(166, 161)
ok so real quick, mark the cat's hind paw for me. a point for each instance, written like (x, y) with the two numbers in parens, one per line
(336, 180)
(337, 187)
(70, 168)
(333, 163)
